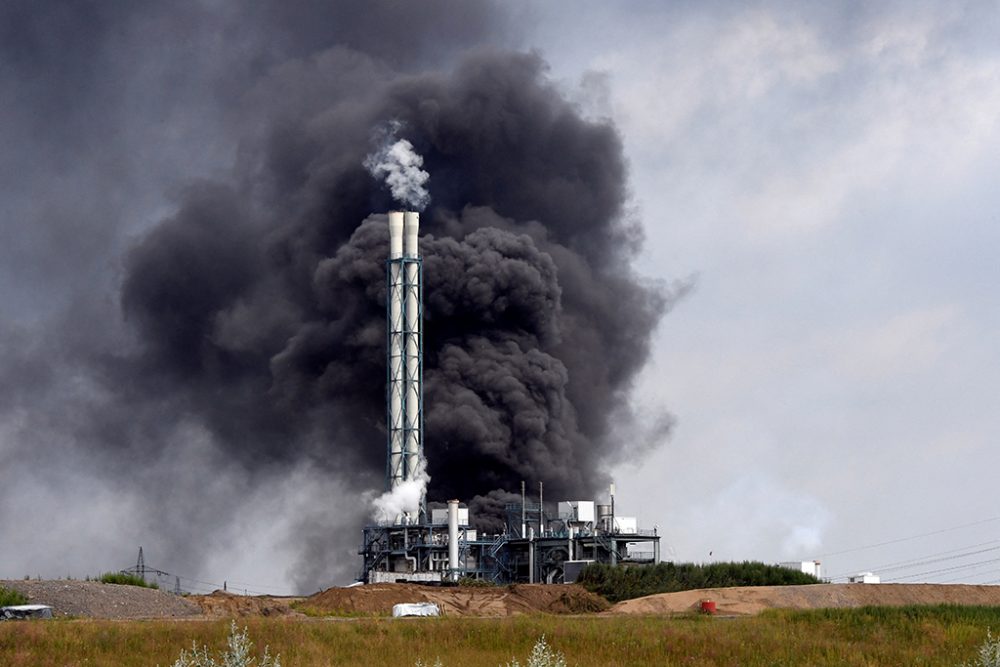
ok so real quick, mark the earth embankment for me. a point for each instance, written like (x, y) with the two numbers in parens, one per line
(93, 599)
(378, 599)
(741, 601)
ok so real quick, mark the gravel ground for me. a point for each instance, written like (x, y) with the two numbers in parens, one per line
(96, 600)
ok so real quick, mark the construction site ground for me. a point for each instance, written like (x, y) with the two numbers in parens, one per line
(87, 599)
(755, 599)
(459, 600)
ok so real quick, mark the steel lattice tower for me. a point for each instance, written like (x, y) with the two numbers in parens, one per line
(404, 354)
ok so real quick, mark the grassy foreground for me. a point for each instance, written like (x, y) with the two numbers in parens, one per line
(870, 636)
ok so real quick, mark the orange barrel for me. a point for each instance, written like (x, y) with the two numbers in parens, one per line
(708, 606)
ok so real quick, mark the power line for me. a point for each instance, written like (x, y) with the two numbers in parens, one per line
(141, 570)
(907, 539)
(947, 569)
(928, 559)
(977, 574)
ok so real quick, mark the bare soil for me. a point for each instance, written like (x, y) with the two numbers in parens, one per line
(91, 599)
(98, 600)
(221, 604)
(755, 599)
(378, 599)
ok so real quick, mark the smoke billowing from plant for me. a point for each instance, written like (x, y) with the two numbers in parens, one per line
(395, 161)
(404, 499)
(235, 367)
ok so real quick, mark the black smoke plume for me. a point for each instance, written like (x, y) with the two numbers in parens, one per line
(250, 340)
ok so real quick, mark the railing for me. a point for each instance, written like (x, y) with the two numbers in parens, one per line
(497, 545)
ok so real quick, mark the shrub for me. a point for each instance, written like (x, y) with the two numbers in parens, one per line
(627, 582)
(239, 654)
(476, 583)
(542, 655)
(126, 580)
(989, 653)
(9, 597)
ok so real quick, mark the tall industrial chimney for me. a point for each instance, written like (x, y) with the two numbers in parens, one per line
(404, 367)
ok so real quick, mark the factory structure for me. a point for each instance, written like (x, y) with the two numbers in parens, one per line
(537, 545)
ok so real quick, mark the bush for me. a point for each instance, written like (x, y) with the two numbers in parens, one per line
(239, 654)
(10, 598)
(125, 580)
(542, 655)
(472, 582)
(989, 653)
(627, 582)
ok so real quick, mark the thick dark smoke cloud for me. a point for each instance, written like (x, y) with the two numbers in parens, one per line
(238, 341)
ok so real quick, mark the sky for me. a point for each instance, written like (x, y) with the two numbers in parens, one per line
(817, 178)
(825, 175)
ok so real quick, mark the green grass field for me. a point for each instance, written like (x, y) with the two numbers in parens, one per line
(871, 636)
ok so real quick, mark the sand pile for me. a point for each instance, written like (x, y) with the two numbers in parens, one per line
(221, 604)
(459, 600)
(754, 599)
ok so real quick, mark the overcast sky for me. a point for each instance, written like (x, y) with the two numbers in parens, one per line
(828, 176)
(823, 177)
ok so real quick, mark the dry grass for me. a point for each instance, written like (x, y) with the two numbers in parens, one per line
(905, 636)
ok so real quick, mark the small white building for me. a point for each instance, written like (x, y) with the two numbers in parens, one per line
(577, 511)
(808, 566)
(864, 578)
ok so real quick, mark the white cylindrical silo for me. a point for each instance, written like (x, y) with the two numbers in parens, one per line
(412, 317)
(453, 539)
(396, 331)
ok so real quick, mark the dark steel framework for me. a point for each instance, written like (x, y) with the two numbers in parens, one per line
(399, 385)
(419, 552)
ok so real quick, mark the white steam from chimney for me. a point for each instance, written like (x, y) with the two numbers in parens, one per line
(404, 499)
(399, 165)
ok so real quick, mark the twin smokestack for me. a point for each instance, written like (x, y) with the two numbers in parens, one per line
(404, 318)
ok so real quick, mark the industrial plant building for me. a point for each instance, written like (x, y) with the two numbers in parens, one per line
(536, 545)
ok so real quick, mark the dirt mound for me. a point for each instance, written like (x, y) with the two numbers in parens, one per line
(458, 600)
(96, 600)
(755, 599)
(221, 604)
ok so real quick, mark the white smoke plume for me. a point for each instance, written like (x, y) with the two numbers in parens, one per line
(404, 499)
(400, 166)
